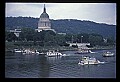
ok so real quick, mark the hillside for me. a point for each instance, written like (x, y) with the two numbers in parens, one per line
(64, 25)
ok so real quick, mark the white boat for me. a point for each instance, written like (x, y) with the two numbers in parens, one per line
(42, 53)
(51, 53)
(88, 60)
(18, 50)
(91, 51)
(28, 52)
(108, 54)
(83, 51)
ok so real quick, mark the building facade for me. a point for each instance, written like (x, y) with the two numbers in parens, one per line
(44, 22)
(16, 32)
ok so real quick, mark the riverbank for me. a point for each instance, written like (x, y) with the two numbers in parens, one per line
(103, 47)
(39, 48)
(9, 47)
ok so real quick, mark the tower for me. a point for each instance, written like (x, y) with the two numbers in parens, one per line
(44, 22)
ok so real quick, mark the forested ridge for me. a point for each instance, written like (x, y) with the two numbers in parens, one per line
(72, 26)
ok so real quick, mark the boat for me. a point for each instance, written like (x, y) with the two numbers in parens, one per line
(28, 52)
(108, 54)
(86, 60)
(91, 51)
(83, 51)
(18, 50)
(52, 53)
(42, 53)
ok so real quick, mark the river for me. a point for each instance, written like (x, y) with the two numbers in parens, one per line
(39, 66)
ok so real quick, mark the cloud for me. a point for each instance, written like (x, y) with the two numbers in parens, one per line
(98, 12)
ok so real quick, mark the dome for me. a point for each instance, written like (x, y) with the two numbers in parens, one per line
(44, 15)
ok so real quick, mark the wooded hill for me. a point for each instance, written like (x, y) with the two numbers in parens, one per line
(72, 26)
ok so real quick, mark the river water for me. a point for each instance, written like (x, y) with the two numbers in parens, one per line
(39, 66)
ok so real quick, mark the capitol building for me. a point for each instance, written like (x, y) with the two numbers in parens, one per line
(44, 22)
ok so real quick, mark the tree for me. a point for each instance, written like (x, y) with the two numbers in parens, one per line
(83, 36)
(68, 37)
(59, 39)
(27, 34)
(110, 40)
(95, 39)
(10, 36)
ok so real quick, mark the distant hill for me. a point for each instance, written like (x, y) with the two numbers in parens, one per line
(64, 25)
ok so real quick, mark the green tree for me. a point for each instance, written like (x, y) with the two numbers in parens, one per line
(83, 36)
(10, 36)
(60, 39)
(27, 34)
(95, 39)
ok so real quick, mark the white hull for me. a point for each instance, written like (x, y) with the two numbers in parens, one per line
(108, 54)
(91, 51)
(53, 53)
(92, 63)
(19, 51)
(26, 51)
(88, 61)
(84, 51)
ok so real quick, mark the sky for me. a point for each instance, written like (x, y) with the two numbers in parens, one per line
(96, 12)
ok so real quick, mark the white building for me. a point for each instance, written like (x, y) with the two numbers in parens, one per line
(44, 22)
(16, 32)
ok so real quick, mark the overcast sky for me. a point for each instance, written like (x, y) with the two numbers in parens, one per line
(97, 12)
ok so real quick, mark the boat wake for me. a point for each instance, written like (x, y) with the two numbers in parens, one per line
(102, 62)
(68, 55)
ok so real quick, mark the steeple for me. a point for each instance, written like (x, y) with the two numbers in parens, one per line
(44, 9)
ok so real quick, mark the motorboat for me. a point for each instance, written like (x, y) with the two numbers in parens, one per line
(91, 51)
(28, 52)
(52, 53)
(42, 53)
(86, 60)
(83, 51)
(108, 54)
(18, 50)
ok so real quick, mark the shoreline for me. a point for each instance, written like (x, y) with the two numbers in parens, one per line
(10, 46)
(45, 49)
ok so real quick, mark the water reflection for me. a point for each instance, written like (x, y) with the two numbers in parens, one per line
(53, 59)
(25, 66)
(44, 68)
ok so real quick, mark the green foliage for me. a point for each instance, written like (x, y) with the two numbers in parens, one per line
(28, 37)
(84, 37)
(72, 26)
(95, 39)
(10, 36)
(68, 37)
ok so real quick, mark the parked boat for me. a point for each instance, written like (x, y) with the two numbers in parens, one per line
(108, 54)
(42, 53)
(91, 51)
(86, 60)
(52, 53)
(18, 50)
(28, 52)
(83, 51)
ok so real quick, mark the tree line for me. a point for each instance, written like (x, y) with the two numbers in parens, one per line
(49, 38)
(64, 25)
